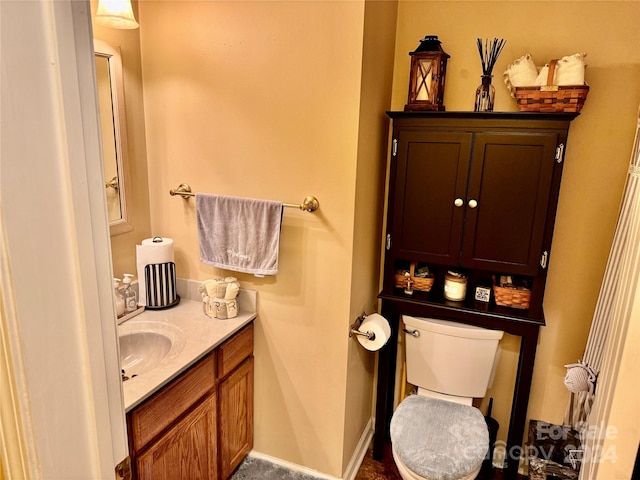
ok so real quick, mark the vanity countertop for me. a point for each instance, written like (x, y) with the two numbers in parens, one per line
(199, 333)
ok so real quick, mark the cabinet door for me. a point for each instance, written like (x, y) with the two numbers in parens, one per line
(510, 183)
(187, 451)
(236, 417)
(429, 191)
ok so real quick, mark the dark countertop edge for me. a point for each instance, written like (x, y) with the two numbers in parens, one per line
(484, 115)
(512, 319)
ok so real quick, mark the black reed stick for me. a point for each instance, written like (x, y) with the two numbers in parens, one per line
(489, 53)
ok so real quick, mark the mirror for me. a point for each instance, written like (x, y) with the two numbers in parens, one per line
(113, 126)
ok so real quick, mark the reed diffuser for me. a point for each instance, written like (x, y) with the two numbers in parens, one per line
(486, 92)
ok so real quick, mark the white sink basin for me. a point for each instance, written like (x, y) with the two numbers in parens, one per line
(146, 345)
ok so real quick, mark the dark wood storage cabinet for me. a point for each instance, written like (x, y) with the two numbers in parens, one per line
(474, 192)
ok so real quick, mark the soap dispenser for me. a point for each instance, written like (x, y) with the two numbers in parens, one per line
(118, 297)
(130, 300)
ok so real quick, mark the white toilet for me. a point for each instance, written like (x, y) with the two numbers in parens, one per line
(437, 434)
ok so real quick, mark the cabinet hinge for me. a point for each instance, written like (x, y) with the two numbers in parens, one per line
(560, 153)
(394, 147)
(123, 469)
(544, 259)
(388, 244)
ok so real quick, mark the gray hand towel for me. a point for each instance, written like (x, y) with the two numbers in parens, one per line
(239, 234)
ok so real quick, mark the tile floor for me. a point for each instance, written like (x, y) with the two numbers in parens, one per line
(258, 469)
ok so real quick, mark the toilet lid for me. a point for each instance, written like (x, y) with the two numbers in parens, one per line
(437, 439)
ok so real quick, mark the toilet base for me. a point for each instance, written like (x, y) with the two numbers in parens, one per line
(407, 474)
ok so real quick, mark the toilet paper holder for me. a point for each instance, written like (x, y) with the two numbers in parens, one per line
(353, 329)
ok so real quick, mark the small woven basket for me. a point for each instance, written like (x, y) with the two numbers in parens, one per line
(551, 98)
(512, 297)
(422, 284)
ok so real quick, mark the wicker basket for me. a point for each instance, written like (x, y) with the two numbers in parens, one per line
(551, 98)
(511, 297)
(422, 284)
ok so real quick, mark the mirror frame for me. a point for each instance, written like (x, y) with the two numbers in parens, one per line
(112, 54)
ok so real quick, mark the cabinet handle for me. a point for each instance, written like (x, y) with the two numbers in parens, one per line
(473, 203)
(458, 202)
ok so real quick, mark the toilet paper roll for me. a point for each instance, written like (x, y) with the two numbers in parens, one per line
(378, 325)
(152, 250)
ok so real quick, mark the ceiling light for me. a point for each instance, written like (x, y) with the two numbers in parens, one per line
(116, 14)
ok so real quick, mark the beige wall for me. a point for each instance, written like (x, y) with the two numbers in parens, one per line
(279, 100)
(596, 161)
(378, 52)
(123, 245)
(263, 100)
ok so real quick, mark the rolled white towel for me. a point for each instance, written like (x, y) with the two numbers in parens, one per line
(521, 73)
(569, 71)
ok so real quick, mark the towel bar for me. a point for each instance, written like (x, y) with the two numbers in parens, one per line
(309, 204)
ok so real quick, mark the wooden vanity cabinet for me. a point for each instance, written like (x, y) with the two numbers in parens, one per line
(235, 417)
(235, 401)
(200, 426)
(186, 450)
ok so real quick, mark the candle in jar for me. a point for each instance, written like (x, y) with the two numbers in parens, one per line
(455, 286)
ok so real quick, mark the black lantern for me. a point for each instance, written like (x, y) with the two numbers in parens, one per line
(426, 79)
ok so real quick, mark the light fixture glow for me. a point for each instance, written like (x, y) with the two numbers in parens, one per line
(116, 14)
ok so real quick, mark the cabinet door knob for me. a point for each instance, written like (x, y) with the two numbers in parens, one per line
(473, 203)
(458, 202)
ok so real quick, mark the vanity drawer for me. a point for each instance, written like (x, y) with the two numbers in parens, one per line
(233, 352)
(161, 410)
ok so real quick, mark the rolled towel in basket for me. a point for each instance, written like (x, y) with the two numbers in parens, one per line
(569, 71)
(521, 73)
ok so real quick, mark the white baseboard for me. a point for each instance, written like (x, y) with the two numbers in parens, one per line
(361, 450)
(352, 468)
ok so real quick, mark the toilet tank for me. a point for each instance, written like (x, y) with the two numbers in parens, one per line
(448, 357)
